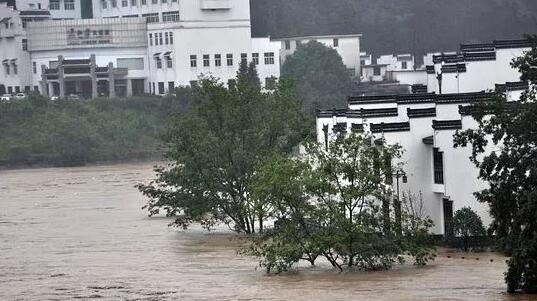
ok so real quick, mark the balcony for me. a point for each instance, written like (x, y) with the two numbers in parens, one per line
(215, 4)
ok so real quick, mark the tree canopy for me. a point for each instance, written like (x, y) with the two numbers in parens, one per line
(503, 148)
(216, 147)
(322, 80)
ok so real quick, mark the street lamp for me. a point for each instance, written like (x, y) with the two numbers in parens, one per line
(397, 202)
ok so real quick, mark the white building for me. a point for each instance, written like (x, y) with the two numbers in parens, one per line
(347, 46)
(477, 67)
(182, 41)
(398, 68)
(423, 124)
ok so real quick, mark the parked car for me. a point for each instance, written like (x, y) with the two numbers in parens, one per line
(20, 96)
(5, 97)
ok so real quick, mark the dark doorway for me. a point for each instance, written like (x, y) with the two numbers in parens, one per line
(137, 87)
(448, 218)
(2, 89)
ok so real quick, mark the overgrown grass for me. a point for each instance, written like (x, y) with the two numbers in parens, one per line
(37, 131)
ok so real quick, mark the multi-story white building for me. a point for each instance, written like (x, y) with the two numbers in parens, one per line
(423, 124)
(182, 40)
(347, 46)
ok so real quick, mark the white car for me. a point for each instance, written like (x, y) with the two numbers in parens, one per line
(20, 96)
(5, 97)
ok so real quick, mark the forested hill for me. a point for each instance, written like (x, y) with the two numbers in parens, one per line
(398, 26)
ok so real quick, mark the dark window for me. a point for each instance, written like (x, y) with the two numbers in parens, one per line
(169, 62)
(218, 60)
(161, 88)
(270, 83)
(144, 2)
(448, 217)
(229, 58)
(336, 42)
(193, 61)
(269, 58)
(160, 38)
(36, 89)
(133, 2)
(171, 87)
(244, 58)
(438, 163)
(255, 58)
(34, 67)
(159, 62)
(171, 16)
(287, 45)
(166, 39)
(154, 91)
(24, 44)
(206, 60)
(171, 38)
(376, 70)
(404, 65)
(150, 39)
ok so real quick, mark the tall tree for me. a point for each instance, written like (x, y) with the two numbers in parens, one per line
(322, 79)
(511, 171)
(215, 149)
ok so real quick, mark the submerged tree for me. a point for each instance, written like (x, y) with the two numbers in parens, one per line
(510, 169)
(215, 148)
(468, 224)
(328, 204)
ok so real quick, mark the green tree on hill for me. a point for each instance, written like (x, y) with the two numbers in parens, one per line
(321, 78)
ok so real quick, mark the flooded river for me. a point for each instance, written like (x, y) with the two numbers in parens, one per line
(79, 233)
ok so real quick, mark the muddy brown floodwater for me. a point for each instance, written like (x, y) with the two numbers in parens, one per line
(79, 233)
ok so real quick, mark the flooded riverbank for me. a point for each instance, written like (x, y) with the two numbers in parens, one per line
(79, 233)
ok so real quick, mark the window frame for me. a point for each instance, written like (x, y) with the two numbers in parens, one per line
(193, 61)
(218, 60)
(229, 59)
(269, 58)
(206, 60)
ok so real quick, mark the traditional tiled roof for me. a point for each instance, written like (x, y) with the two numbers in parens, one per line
(447, 125)
(389, 127)
(455, 68)
(480, 56)
(372, 99)
(34, 13)
(448, 58)
(463, 97)
(362, 113)
(415, 98)
(423, 112)
(512, 43)
(512, 86)
(480, 47)
(419, 89)
(421, 98)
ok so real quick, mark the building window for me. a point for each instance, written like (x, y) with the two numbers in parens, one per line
(131, 63)
(144, 2)
(217, 60)
(170, 16)
(15, 69)
(6, 69)
(376, 70)
(229, 58)
(269, 58)
(160, 38)
(336, 42)
(169, 62)
(287, 45)
(255, 58)
(133, 3)
(156, 38)
(154, 1)
(164, 1)
(244, 58)
(24, 44)
(171, 38)
(9, 90)
(171, 87)
(193, 61)
(114, 3)
(124, 3)
(104, 4)
(154, 91)
(69, 4)
(54, 4)
(206, 62)
(160, 87)
(150, 18)
(166, 39)
(404, 65)
(34, 67)
(150, 39)
(438, 163)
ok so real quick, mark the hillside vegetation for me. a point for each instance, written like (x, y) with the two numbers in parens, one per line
(396, 26)
(36, 131)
